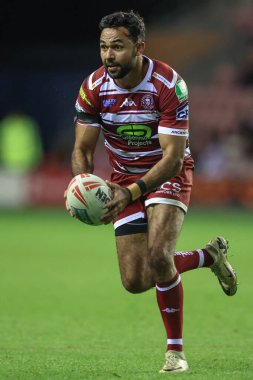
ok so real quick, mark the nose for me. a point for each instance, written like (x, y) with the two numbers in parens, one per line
(109, 54)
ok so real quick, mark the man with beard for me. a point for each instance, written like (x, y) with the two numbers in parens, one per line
(141, 106)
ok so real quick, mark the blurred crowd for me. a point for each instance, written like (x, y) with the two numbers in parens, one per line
(221, 121)
(221, 138)
(222, 111)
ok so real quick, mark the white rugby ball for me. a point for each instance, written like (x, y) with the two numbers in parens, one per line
(86, 194)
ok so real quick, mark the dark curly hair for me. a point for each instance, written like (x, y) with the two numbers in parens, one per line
(131, 20)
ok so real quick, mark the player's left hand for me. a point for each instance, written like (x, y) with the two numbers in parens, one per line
(120, 200)
(67, 205)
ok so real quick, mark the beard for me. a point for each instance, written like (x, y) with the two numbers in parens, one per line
(118, 71)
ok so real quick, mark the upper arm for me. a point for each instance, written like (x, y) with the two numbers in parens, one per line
(174, 108)
(173, 129)
(86, 137)
(173, 126)
(173, 146)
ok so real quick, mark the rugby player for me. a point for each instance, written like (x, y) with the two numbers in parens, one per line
(141, 106)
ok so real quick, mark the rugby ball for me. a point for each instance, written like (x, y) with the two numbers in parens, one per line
(86, 194)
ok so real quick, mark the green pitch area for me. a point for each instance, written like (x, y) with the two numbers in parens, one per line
(64, 314)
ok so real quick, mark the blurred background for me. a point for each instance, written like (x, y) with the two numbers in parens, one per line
(48, 48)
(63, 313)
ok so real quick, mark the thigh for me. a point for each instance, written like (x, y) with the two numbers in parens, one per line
(164, 226)
(133, 260)
(131, 240)
(166, 207)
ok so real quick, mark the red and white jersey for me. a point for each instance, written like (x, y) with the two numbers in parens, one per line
(131, 120)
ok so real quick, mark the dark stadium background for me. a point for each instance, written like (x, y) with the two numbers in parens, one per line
(48, 47)
(56, 42)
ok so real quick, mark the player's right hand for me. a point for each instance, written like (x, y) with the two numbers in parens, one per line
(119, 201)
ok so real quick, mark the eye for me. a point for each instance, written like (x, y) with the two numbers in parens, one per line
(118, 47)
(103, 47)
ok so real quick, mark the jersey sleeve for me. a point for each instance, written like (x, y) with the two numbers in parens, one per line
(87, 107)
(174, 110)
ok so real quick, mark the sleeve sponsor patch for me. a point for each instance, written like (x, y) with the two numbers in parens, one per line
(84, 97)
(181, 90)
(182, 112)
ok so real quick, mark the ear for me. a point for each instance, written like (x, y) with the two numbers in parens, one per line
(140, 47)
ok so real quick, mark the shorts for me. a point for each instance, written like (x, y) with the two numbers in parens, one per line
(176, 192)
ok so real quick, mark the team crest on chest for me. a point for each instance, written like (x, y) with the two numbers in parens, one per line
(147, 102)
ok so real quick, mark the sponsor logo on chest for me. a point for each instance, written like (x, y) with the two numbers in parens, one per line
(109, 102)
(128, 103)
(135, 134)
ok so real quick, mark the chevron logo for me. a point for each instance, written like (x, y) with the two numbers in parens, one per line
(91, 185)
(77, 193)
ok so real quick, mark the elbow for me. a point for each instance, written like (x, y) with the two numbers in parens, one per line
(176, 166)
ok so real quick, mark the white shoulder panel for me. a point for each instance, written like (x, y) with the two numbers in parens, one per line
(165, 81)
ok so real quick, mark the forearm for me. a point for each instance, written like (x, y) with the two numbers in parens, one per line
(162, 171)
(81, 162)
(166, 168)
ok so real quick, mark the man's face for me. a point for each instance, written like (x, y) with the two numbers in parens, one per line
(117, 51)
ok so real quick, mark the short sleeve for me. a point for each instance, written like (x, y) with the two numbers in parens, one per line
(87, 107)
(174, 110)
